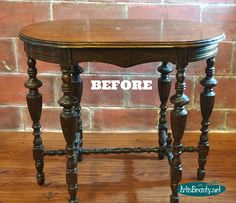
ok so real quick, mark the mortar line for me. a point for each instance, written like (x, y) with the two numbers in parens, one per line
(142, 3)
(88, 68)
(56, 94)
(126, 11)
(225, 121)
(90, 119)
(127, 96)
(22, 125)
(179, 4)
(51, 11)
(7, 38)
(201, 10)
(15, 49)
(112, 107)
(141, 75)
(193, 92)
(106, 131)
(232, 58)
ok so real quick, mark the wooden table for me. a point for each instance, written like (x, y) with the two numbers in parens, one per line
(124, 43)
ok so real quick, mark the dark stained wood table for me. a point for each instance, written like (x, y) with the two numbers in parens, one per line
(124, 43)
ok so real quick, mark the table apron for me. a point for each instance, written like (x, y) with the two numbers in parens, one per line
(123, 57)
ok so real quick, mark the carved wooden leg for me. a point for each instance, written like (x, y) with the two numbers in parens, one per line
(207, 100)
(164, 85)
(178, 121)
(69, 125)
(77, 84)
(34, 102)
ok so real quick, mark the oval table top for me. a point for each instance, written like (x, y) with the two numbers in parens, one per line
(127, 33)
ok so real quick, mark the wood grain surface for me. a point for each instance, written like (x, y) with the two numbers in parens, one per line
(121, 33)
(111, 178)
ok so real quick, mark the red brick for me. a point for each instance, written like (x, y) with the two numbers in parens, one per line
(91, 10)
(14, 92)
(151, 97)
(105, 68)
(10, 118)
(217, 120)
(129, 1)
(219, 1)
(98, 97)
(15, 15)
(222, 65)
(223, 16)
(50, 119)
(219, 14)
(145, 97)
(177, 12)
(234, 61)
(223, 58)
(147, 68)
(183, 1)
(7, 59)
(225, 97)
(231, 120)
(124, 119)
(136, 11)
(192, 13)
(196, 68)
(200, 1)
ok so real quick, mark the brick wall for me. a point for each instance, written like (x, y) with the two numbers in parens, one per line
(113, 110)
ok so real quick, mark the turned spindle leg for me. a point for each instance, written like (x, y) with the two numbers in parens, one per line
(77, 84)
(207, 100)
(164, 85)
(34, 102)
(178, 121)
(69, 127)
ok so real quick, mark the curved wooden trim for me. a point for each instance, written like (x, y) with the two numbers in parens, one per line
(202, 53)
(42, 53)
(174, 44)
